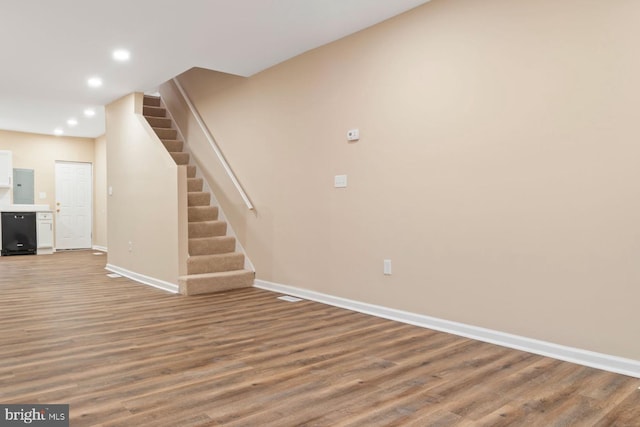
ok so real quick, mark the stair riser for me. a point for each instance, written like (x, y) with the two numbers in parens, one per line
(166, 133)
(209, 285)
(191, 172)
(159, 122)
(199, 198)
(214, 245)
(154, 112)
(194, 184)
(207, 229)
(203, 213)
(180, 158)
(215, 263)
(151, 101)
(173, 146)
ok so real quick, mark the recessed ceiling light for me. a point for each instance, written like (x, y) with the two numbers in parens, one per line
(89, 112)
(121, 55)
(72, 122)
(94, 82)
(58, 131)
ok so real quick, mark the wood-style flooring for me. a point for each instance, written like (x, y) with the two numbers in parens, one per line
(125, 354)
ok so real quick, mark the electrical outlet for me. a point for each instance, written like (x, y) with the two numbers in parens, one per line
(130, 246)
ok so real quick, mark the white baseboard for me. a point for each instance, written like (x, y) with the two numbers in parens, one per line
(156, 283)
(569, 354)
(99, 248)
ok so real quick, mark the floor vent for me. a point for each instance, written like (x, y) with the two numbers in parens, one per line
(289, 298)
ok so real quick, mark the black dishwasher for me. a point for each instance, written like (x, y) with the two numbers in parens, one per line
(18, 233)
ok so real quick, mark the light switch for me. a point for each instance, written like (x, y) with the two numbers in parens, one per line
(42, 195)
(340, 181)
(110, 191)
(387, 267)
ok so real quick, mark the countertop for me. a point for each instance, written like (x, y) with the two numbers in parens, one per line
(25, 208)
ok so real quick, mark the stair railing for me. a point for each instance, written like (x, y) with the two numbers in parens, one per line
(214, 145)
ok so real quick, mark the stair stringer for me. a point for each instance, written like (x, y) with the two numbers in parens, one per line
(132, 136)
(181, 176)
(194, 160)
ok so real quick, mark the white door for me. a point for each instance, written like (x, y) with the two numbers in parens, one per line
(73, 205)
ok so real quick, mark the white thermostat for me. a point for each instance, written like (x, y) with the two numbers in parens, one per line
(353, 135)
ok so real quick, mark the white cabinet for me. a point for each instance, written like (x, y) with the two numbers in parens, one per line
(45, 232)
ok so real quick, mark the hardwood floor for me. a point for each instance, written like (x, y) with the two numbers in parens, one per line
(124, 354)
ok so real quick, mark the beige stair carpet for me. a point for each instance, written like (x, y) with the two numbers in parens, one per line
(213, 264)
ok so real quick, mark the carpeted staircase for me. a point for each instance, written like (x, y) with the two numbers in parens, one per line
(213, 264)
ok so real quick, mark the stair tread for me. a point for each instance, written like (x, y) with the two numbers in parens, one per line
(180, 157)
(212, 237)
(212, 221)
(213, 263)
(151, 100)
(202, 213)
(211, 245)
(218, 274)
(159, 122)
(152, 111)
(173, 146)
(226, 254)
(198, 199)
(210, 228)
(194, 184)
(165, 133)
(209, 283)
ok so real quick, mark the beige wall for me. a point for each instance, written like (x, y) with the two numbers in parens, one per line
(497, 167)
(100, 192)
(143, 208)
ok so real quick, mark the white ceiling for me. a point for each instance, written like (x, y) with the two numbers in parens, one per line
(49, 49)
